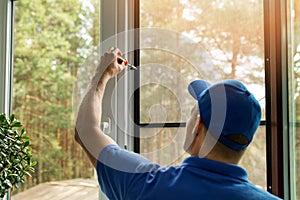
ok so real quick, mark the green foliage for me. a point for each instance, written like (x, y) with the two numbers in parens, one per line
(15, 154)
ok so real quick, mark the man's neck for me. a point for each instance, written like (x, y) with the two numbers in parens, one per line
(212, 156)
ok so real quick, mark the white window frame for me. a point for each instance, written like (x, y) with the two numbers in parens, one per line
(6, 50)
(117, 24)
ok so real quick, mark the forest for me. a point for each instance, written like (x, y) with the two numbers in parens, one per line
(51, 42)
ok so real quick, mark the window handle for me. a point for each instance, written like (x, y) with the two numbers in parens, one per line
(106, 126)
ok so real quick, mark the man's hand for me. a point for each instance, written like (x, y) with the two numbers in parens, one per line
(108, 66)
(114, 68)
(87, 130)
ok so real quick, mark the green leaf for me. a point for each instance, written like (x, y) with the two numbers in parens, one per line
(25, 144)
(25, 136)
(12, 117)
(33, 164)
(8, 161)
(28, 174)
(16, 124)
(17, 147)
(8, 183)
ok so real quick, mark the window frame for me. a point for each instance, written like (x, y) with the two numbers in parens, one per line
(276, 97)
(276, 87)
(6, 54)
(116, 32)
(293, 124)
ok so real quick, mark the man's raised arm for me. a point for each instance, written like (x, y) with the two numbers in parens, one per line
(87, 130)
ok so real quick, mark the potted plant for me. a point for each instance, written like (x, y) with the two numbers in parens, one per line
(15, 154)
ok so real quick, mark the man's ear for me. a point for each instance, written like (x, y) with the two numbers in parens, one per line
(197, 127)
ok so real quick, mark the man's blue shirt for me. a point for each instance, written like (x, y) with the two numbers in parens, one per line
(125, 175)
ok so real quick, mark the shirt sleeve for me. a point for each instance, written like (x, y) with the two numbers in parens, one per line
(121, 171)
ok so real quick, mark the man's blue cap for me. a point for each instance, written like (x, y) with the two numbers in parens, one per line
(227, 108)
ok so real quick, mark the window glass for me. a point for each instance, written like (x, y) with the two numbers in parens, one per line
(254, 159)
(163, 145)
(294, 95)
(164, 97)
(187, 39)
(53, 40)
(184, 40)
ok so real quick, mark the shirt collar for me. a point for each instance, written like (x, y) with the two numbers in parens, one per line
(226, 169)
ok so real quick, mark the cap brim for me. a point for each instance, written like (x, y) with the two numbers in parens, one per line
(197, 87)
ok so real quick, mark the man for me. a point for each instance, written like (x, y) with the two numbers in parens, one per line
(221, 126)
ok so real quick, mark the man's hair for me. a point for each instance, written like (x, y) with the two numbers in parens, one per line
(227, 153)
(238, 138)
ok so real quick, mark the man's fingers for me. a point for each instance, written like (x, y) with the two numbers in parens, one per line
(116, 52)
(113, 52)
(109, 61)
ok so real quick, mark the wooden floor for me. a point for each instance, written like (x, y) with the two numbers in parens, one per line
(77, 189)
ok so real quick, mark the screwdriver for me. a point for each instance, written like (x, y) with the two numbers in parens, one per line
(120, 60)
